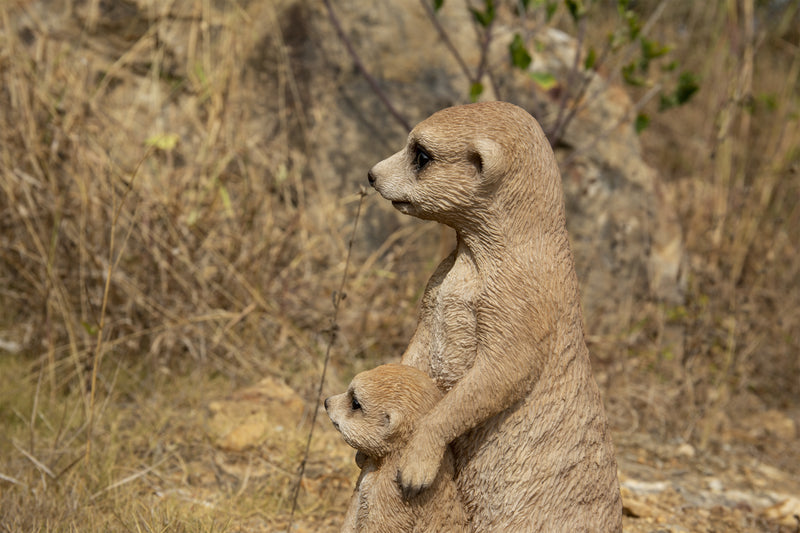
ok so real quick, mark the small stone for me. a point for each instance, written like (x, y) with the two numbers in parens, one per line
(685, 450)
(786, 512)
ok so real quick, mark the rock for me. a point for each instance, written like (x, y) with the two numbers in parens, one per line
(772, 424)
(685, 450)
(626, 236)
(265, 414)
(786, 512)
(312, 113)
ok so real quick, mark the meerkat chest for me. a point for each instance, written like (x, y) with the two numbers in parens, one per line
(381, 506)
(452, 323)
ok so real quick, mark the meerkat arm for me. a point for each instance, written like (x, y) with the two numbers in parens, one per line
(505, 368)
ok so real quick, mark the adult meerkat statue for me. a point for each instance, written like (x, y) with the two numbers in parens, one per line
(500, 329)
(376, 416)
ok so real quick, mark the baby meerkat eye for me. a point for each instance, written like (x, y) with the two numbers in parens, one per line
(354, 404)
(421, 158)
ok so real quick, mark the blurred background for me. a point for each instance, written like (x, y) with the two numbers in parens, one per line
(179, 185)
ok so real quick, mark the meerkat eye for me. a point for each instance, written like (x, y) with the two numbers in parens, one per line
(421, 158)
(354, 404)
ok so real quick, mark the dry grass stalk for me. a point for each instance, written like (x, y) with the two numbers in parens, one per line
(128, 302)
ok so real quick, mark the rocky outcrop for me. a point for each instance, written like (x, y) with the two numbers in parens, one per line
(312, 109)
(627, 239)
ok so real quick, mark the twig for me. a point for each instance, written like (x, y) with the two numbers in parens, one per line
(604, 133)
(578, 101)
(41, 466)
(98, 351)
(561, 121)
(338, 296)
(361, 68)
(485, 37)
(10, 479)
(446, 40)
(127, 479)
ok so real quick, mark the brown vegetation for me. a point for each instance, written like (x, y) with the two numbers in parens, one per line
(165, 241)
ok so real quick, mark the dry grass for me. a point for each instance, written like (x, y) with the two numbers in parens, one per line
(161, 246)
(730, 161)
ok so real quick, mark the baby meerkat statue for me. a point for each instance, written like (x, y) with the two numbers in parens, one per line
(376, 416)
(500, 329)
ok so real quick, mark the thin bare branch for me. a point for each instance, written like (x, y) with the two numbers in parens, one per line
(447, 42)
(12, 480)
(41, 466)
(338, 296)
(361, 68)
(127, 479)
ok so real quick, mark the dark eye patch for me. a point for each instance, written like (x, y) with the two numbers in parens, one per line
(421, 157)
(354, 404)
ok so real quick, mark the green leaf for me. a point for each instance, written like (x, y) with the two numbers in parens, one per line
(550, 9)
(484, 18)
(634, 25)
(576, 9)
(163, 141)
(437, 5)
(475, 91)
(650, 50)
(768, 100)
(687, 86)
(591, 59)
(629, 75)
(666, 102)
(520, 57)
(654, 49)
(226, 199)
(544, 80)
(642, 121)
(669, 67)
(91, 329)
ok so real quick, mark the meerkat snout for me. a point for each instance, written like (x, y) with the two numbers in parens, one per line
(327, 404)
(371, 178)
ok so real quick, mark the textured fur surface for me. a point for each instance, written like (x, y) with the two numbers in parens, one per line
(377, 416)
(500, 329)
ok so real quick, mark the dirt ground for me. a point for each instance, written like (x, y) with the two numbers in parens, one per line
(167, 240)
(747, 481)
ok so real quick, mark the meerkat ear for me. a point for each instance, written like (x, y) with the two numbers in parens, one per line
(391, 420)
(487, 156)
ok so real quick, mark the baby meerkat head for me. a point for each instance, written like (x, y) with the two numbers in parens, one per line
(377, 413)
(464, 161)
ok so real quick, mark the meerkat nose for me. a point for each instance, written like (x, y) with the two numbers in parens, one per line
(326, 403)
(371, 178)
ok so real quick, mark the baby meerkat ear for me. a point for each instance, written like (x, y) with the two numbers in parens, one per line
(487, 156)
(391, 420)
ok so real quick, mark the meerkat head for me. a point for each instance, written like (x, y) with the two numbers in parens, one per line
(464, 163)
(377, 412)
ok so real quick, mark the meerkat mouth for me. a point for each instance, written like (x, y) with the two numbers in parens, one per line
(401, 206)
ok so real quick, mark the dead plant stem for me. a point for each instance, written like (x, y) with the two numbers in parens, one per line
(338, 296)
(373, 83)
(112, 263)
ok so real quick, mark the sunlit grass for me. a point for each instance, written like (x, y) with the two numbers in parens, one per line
(160, 249)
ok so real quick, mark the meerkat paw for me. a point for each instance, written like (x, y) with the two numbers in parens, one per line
(419, 465)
